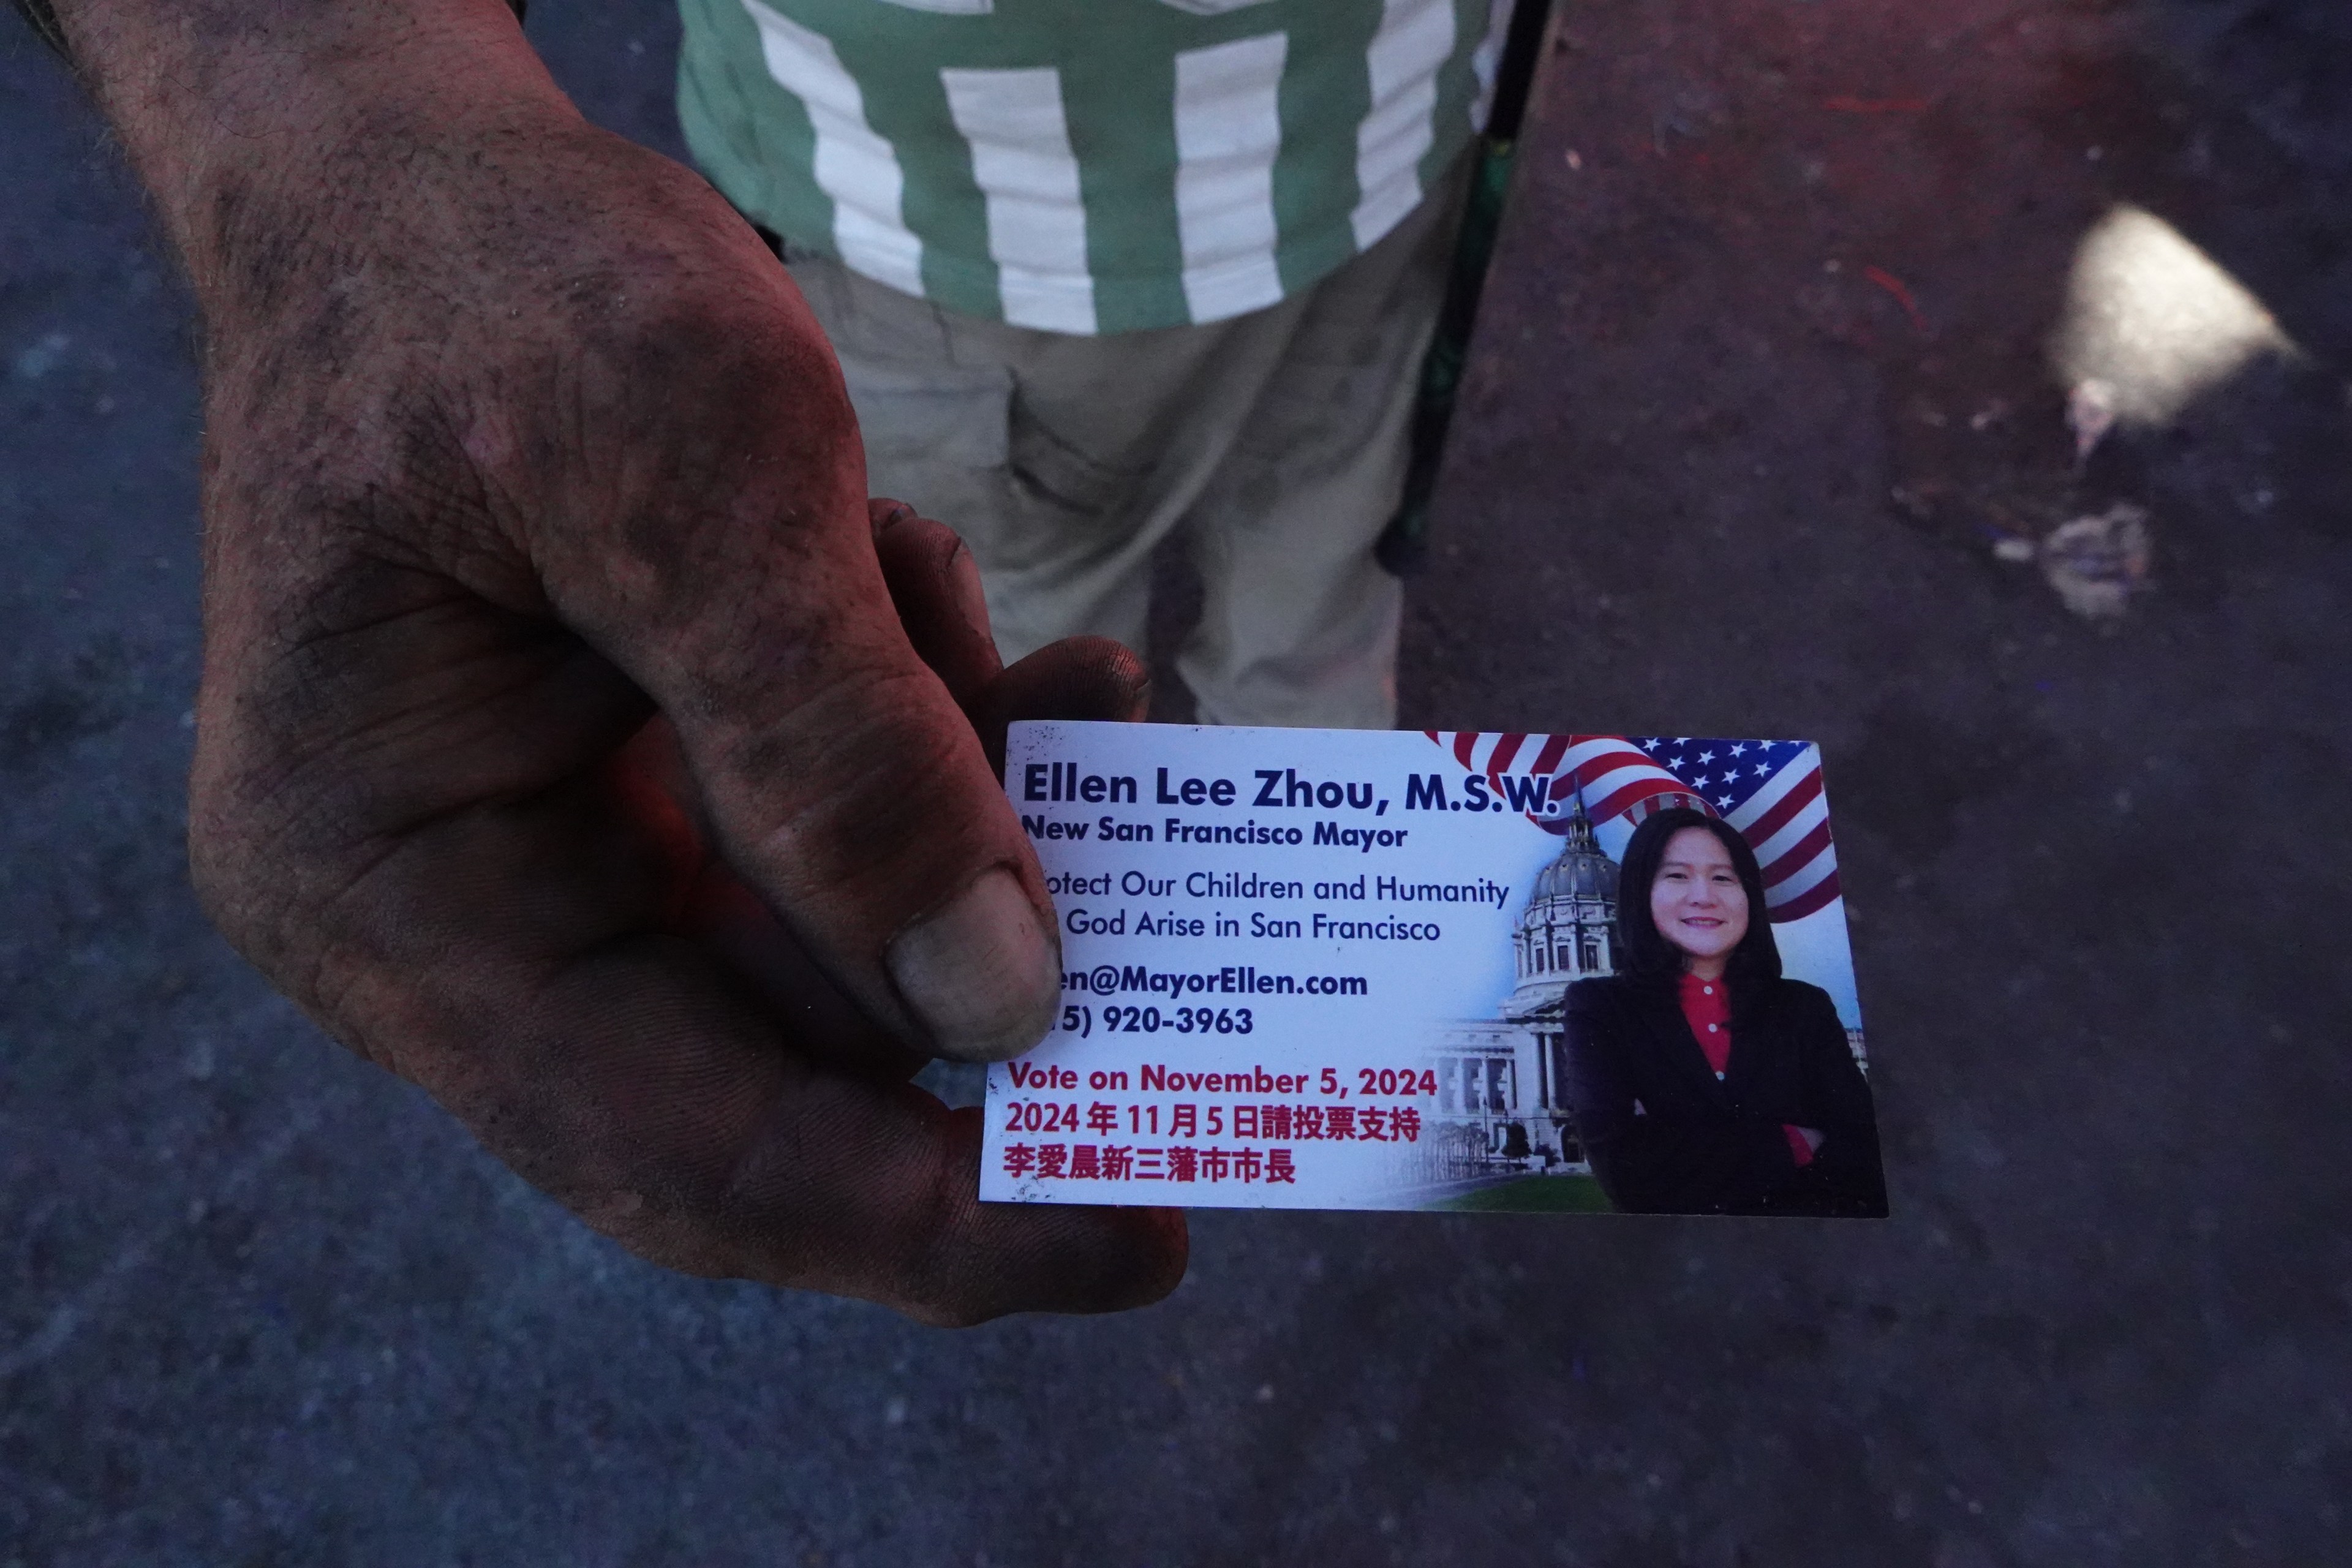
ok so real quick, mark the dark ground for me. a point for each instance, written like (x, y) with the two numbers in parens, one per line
(264, 1305)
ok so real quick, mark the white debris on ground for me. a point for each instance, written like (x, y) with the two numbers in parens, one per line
(2151, 324)
(2097, 562)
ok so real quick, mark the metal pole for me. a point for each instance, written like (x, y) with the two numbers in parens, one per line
(1406, 538)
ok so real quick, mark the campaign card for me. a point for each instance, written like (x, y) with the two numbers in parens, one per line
(1452, 970)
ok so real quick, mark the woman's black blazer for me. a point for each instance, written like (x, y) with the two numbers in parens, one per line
(1664, 1136)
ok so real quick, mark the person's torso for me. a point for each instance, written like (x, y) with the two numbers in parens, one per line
(1086, 166)
(1666, 1066)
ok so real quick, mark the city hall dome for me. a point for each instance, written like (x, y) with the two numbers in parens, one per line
(1568, 930)
(1582, 871)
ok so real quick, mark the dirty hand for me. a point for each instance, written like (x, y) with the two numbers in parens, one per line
(572, 742)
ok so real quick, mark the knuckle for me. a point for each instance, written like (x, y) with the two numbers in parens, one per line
(699, 352)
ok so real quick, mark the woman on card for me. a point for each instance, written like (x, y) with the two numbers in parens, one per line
(1703, 1082)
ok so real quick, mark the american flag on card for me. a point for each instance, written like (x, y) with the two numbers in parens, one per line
(1771, 791)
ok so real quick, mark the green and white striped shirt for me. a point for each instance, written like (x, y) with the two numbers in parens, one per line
(1086, 166)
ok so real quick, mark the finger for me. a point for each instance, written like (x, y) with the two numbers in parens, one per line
(714, 907)
(744, 590)
(935, 588)
(1076, 678)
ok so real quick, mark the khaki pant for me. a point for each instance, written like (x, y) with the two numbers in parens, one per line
(1274, 442)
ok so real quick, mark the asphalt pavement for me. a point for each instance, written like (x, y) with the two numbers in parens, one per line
(1768, 433)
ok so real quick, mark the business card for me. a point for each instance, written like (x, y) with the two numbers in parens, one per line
(1407, 970)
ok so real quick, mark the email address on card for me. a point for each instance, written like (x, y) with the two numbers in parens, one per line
(1234, 980)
